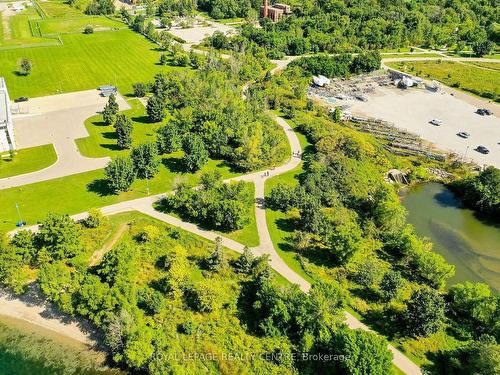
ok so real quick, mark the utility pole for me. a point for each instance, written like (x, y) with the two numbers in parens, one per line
(21, 222)
(465, 154)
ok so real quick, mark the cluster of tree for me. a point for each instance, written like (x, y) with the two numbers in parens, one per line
(227, 8)
(145, 300)
(339, 65)
(347, 27)
(142, 163)
(122, 124)
(219, 205)
(481, 192)
(59, 239)
(100, 7)
(210, 118)
(313, 323)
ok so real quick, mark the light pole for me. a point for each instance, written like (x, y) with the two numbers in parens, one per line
(21, 222)
(147, 183)
(465, 153)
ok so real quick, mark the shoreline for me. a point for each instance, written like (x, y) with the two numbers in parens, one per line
(34, 310)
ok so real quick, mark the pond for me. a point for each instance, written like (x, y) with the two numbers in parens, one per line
(469, 242)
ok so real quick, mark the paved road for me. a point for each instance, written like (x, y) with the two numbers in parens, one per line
(58, 120)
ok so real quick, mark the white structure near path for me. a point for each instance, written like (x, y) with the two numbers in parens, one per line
(7, 141)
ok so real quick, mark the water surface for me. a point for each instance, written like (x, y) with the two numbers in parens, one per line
(27, 349)
(470, 243)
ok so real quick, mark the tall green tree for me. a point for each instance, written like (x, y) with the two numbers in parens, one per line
(60, 235)
(120, 174)
(123, 127)
(145, 160)
(110, 110)
(195, 153)
(155, 109)
(425, 312)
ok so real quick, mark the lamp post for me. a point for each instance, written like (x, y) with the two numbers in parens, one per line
(465, 153)
(21, 222)
(147, 182)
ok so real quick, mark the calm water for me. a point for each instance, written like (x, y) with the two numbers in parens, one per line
(471, 244)
(27, 349)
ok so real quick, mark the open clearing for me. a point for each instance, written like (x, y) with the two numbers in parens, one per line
(412, 110)
(482, 82)
(83, 62)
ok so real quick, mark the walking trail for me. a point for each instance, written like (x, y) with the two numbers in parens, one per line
(146, 206)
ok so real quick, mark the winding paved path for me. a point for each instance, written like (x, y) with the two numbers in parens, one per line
(146, 206)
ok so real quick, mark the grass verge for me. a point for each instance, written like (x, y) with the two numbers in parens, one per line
(28, 160)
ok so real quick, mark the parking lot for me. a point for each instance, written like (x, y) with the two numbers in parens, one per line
(413, 109)
(57, 120)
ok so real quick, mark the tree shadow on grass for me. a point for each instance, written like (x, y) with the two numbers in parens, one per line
(110, 135)
(100, 187)
(174, 164)
(99, 123)
(142, 120)
(111, 147)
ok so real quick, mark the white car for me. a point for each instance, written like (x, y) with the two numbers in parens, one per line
(436, 122)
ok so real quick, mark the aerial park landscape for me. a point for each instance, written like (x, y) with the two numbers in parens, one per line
(229, 187)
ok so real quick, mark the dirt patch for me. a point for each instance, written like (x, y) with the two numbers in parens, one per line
(99, 254)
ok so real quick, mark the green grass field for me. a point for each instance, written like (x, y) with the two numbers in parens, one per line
(28, 160)
(482, 82)
(102, 139)
(77, 193)
(77, 25)
(405, 55)
(487, 65)
(59, 9)
(83, 62)
(19, 33)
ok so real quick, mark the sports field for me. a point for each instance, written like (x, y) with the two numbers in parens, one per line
(83, 62)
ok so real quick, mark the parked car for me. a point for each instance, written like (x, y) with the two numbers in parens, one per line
(482, 149)
(436, 122)
(484, 112)
(463, 134)
(21, 99)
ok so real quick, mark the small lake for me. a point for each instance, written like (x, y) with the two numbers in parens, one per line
(470, 243)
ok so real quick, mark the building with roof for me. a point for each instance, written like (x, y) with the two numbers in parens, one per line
(7, 142)
(275, 12)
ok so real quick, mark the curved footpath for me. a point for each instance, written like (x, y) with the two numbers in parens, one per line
(146, 206)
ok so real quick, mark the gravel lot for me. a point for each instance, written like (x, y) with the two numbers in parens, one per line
(412, 110)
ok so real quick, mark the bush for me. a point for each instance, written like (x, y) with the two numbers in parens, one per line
(95, 218)
(140, 89)
(88, 29)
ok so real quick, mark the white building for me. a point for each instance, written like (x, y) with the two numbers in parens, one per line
(7, 141)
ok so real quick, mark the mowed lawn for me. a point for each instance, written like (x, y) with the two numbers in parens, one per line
(77, 25)
(467, 77)
(80, 192)
(103, 140)
(28, 160)
(84, 62)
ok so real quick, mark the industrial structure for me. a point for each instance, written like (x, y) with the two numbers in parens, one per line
(7, 142)
(274, 12)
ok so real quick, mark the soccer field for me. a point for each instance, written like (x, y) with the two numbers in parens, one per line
(83, 62)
